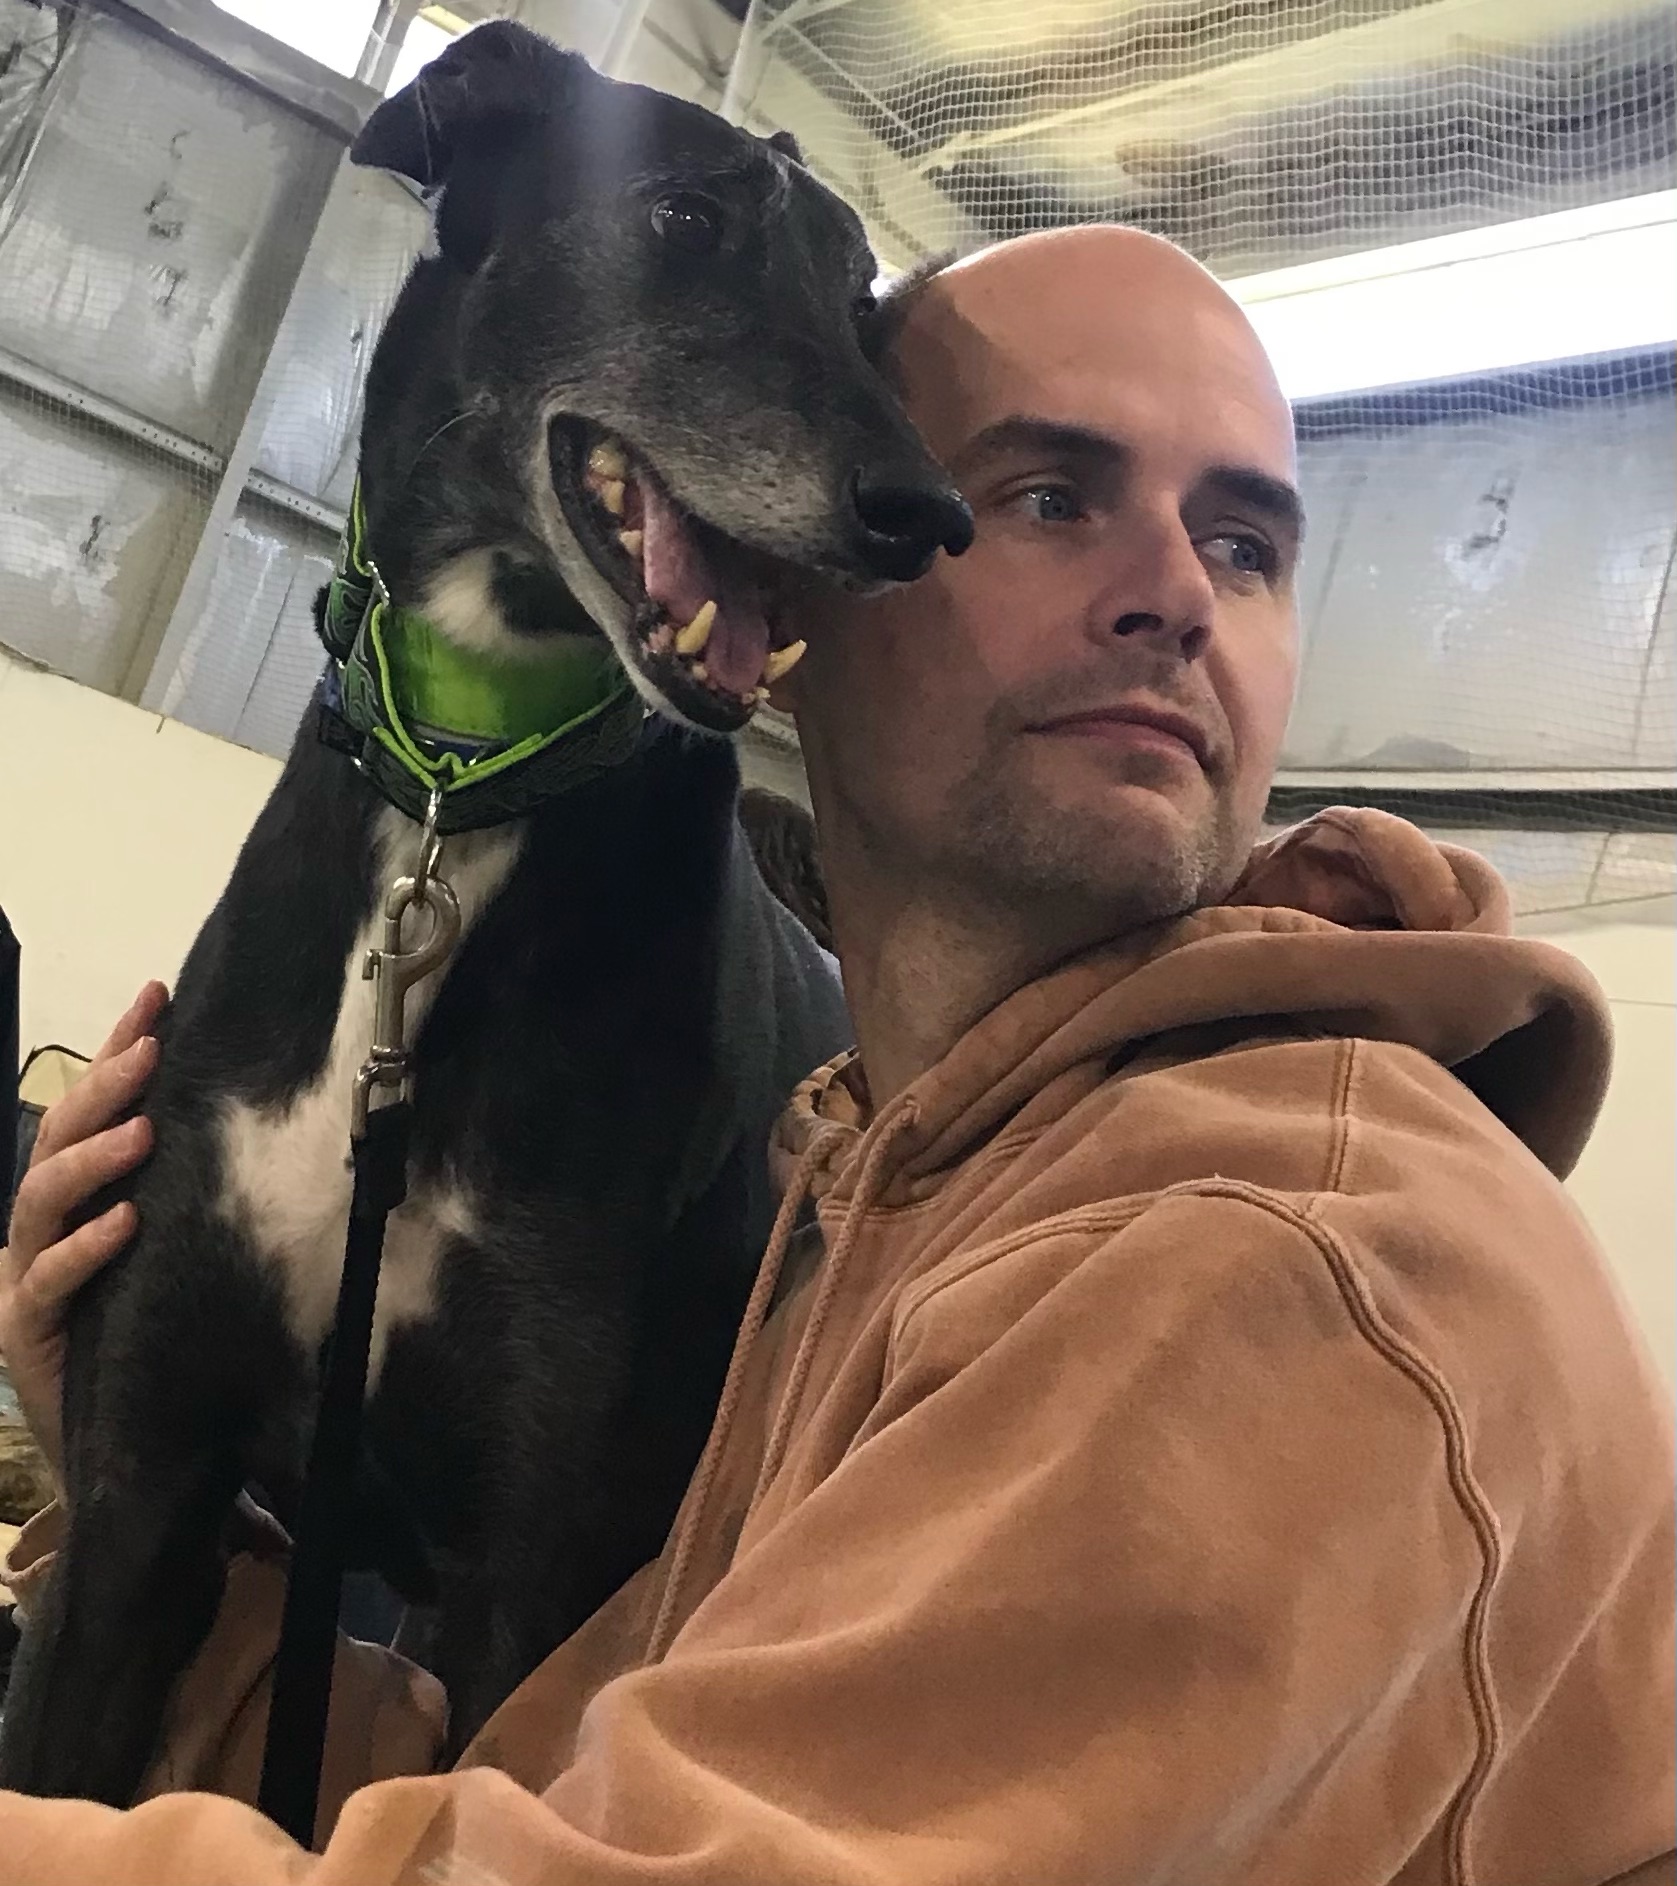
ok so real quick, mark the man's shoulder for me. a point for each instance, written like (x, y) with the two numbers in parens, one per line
(1332, 1149)
(1299, 1118)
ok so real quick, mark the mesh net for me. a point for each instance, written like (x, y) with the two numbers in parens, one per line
(1487, 602)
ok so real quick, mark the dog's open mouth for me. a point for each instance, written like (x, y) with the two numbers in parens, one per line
(702, 606)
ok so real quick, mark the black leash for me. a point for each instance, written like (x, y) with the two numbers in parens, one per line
(381, 1122)
(295, 1747)
(451, 782)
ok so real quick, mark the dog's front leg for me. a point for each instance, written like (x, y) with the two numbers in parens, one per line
(182, 1375)
(130, 1600)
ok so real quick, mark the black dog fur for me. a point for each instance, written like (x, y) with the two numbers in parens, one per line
(600, 1063)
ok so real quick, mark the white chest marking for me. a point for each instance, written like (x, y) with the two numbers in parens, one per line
(287, 1168)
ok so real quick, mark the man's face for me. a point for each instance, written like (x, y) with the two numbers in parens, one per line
(1083, 713)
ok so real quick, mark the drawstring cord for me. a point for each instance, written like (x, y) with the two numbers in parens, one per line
(832, 1274)
(756, 1313)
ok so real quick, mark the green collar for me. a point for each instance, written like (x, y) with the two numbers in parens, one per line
(421, 714)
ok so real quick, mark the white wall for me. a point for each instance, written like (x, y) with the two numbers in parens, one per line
(117, 832)
(1627, 1179)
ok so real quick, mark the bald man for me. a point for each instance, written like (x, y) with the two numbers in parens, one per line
(1191, 1439)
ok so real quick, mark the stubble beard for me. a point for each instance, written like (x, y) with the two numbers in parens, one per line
(1090, 872)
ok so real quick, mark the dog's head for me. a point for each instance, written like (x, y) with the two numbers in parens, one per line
(628, 389)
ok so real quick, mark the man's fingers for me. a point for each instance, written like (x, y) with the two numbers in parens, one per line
(62, 1268)
(140, 1019)
(106, 1090)
(54, 1189)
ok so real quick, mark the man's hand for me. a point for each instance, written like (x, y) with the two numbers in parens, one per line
(77, 1151)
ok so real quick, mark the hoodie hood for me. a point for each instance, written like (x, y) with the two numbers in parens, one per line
(1354, 923)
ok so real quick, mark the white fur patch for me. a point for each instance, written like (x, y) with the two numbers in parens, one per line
(287, 1168)
(460, 601)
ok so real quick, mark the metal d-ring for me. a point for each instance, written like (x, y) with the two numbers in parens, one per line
(430, 846)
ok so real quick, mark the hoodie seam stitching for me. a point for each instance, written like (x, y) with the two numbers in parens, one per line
(1099, 1218)
(1398, 1353)
(1409, 1359)
(998, 1152)
(1339, 1113)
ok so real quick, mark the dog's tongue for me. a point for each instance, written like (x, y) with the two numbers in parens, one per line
(680, 580)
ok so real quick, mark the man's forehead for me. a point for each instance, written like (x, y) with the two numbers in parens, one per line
(1130, 335)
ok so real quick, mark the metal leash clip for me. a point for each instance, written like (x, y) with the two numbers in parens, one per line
(392, 970)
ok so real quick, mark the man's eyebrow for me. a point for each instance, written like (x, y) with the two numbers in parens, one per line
(1245, 484)
(1051, 438)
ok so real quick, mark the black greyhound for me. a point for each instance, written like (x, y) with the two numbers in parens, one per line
(627, 394)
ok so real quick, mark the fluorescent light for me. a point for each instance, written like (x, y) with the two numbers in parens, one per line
(1590, 281)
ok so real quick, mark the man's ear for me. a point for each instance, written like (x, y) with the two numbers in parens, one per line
(486, 81)
(787, 145)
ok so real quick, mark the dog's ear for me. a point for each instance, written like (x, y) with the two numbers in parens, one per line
(786, 144)
(490, 78)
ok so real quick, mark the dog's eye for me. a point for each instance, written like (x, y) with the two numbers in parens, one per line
(692, 223)
(864, 305)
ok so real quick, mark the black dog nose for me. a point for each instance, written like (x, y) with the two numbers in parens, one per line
(906, 519)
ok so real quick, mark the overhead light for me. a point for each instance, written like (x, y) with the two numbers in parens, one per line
(1591, 281)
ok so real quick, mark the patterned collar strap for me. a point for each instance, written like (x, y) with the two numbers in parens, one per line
(420, 714)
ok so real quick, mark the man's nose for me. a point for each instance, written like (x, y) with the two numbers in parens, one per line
(1165, 593)
(1190, 636)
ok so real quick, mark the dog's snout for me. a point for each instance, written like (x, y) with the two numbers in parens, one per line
(906, 516)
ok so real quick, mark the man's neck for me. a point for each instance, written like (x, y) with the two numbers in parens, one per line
(921, 970)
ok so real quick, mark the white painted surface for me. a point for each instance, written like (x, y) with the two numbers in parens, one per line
(117, 833)
(1626, 1182)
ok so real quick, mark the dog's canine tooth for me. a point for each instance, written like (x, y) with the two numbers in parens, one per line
(782, 661)
(610, 494)
(700, 672)
(692, 639)
(631, 540)
(608, 460)
(759, 695)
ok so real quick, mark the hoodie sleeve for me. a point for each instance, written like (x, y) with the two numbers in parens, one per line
(1157, 1562)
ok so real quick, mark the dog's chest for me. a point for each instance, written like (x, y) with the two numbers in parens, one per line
(286, 1169)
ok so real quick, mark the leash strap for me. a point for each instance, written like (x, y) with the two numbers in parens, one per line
(381, 1119)
(420, 716)
(295, 1747)
(457, 742)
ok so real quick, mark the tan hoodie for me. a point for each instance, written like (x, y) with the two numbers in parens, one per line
(1211, 1451)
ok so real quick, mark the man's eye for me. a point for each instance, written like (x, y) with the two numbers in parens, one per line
(1245, 555)
(1053, 504)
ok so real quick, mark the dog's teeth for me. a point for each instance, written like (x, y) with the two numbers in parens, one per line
(700, 671)
(759, 695)
(608, 461)
(692, 639)
(610, 494)
(631, 540)
(782, 661)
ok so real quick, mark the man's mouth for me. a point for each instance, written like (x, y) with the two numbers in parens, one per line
(702, 607)
(1134, 718)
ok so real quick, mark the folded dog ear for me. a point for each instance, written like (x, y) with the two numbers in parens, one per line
(787, 145)
(492, 76)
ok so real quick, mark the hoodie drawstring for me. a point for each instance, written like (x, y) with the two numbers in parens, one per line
(868, 1186)
(756, 1313)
